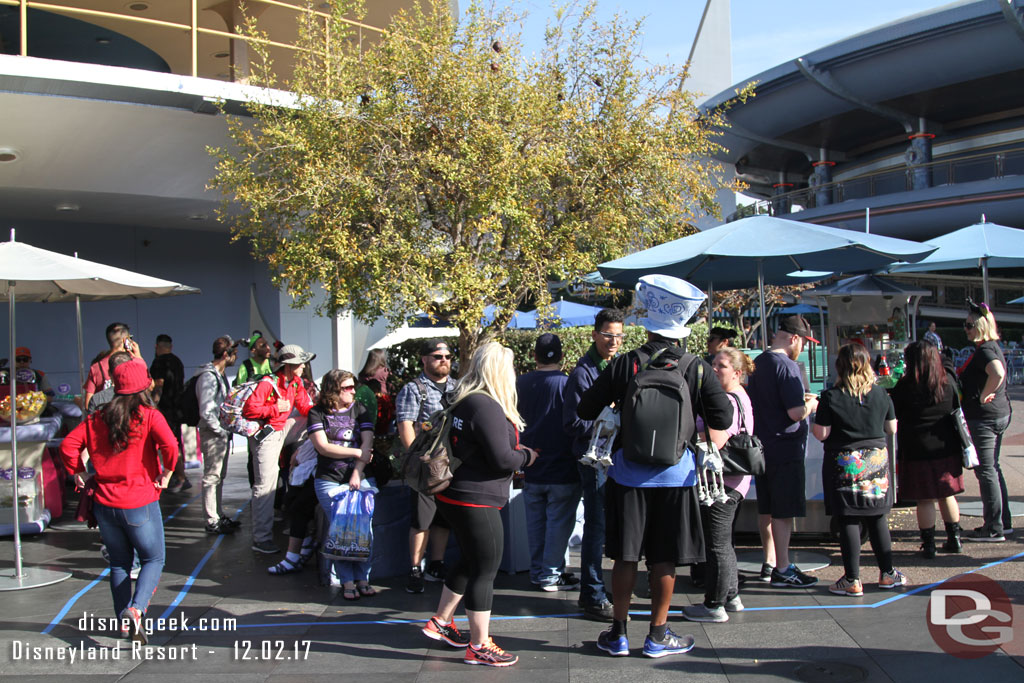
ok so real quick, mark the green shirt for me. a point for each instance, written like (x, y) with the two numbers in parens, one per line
(259, 370)
(365, 395)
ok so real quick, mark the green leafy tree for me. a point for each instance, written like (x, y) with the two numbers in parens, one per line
(442, 170)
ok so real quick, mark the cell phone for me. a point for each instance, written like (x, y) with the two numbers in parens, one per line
(263, 433)
(128, 343)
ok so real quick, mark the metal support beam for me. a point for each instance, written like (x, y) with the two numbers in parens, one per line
(810, 152)
(829, 84)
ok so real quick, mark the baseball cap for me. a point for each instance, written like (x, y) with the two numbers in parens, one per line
(22, 351)
(798, 325)
(431, 345)
(548, 348)
(722, 332)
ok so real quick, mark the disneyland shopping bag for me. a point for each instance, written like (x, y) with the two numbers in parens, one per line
(350, 533)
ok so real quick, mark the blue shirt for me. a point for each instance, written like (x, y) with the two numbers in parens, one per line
(412, 406)
(540, 405)
(776, 386)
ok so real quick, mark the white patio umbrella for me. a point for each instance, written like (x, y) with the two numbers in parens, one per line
(31, 274)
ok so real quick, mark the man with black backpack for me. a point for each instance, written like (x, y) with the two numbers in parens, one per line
(168, 374)
(415, 402)
(211, 389)
(652, 511)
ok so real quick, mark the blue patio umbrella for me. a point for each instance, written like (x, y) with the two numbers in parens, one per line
(520, 320)
(764, 250)
(569, 314)
(1019, 300)
(985, 245)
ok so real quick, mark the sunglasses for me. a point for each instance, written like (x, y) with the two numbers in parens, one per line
(609, 335)
(23, 359)
(969, 325)
(348, 387)
(441, 356)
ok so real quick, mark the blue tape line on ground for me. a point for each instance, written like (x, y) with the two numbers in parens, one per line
(74, 598)
(195, 572)
(641, 613)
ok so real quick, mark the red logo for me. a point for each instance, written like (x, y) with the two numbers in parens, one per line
(970, 616)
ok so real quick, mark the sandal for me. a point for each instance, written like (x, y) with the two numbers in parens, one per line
(284, 567)
(350, 594)
(366, 590)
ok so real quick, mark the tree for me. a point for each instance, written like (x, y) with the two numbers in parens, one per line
(736, 301)
(442, 170)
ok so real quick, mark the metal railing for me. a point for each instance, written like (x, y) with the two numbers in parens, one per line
(963, 169)
(193, 30)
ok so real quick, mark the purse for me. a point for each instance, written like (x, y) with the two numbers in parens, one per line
(743, 453)
(970, 454)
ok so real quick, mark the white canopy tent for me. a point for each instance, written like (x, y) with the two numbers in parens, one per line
(31, 274)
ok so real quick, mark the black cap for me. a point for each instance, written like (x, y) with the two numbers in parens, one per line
(796, 324)
(548, 348)
(722, 333)
(431, 345)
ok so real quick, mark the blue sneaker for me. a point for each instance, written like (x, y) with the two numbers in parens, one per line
(616, 647)
(672, 644)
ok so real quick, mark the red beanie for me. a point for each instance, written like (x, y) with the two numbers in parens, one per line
(131, 377)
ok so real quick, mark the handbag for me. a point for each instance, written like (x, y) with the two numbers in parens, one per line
(350, 532)
(85, 512)
(970, 454)
(743, 453)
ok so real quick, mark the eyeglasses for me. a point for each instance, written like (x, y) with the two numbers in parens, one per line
(441, 356)
(23, 359)
(348, 387)
(609, 335)
(969, 325)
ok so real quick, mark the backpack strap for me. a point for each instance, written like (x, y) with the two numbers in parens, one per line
(423, 398)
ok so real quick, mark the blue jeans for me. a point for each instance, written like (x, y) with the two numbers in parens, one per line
(550, 518)
(592, 591)
(988, 438)
(342, 570)
(126, 532)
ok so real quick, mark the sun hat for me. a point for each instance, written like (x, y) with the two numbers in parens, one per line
(293, 354)
(669, 303)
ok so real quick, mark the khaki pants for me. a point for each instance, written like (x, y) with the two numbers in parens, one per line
(215, 448)
(265, 472)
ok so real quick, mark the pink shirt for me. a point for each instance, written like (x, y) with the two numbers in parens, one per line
(740, 482)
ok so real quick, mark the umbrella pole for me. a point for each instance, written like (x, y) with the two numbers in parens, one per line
(31, 578)
(81, 350)
(711, 304)
(760, 295)
(824, 341)
(984, 280)
(18, 573)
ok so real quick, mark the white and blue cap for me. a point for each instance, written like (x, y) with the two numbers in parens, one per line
(669, 303)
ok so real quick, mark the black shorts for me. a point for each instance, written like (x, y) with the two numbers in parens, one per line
(657, 524)
(424, 513)
(780, 490)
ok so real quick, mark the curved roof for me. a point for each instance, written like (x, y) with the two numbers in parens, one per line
(951, 69)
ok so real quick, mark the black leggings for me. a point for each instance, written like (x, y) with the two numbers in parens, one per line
(300, 504)
(849, 542)
(481, 540)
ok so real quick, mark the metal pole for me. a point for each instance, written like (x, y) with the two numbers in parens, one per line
(984, 281)
(711, 304)
(760, 294)
(23, 24)
(81, 350)
(824, 341)
(18, 573)
(195, 39)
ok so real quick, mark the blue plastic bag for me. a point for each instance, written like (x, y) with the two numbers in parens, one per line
(350, 534)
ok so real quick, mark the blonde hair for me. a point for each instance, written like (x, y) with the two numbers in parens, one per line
(853, 365)
(491, 372)
(739, 361)
(986, 326)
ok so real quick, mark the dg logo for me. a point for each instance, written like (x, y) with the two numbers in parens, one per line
(970, 616)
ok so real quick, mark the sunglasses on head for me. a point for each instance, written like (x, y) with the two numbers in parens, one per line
(441, 356)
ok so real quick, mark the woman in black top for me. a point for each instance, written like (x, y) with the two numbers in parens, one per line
(987, 409)
(929, 457)
(852, 420)
(485, 438)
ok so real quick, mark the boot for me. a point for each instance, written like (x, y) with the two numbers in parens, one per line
(928, 543)
(952, 544)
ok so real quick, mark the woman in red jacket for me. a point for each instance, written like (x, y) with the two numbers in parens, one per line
(122, 439)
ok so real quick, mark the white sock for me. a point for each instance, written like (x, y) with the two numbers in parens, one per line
(292, 557)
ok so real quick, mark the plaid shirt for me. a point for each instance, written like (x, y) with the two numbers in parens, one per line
(410, 406)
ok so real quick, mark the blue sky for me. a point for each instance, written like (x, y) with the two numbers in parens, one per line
(764, 32)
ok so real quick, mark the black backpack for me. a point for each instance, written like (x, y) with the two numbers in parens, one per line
(188, 402)
(657, 414)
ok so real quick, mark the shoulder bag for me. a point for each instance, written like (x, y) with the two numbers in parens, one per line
(743, 453)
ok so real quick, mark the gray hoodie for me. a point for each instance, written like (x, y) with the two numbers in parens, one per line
(211, 390)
